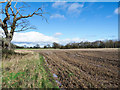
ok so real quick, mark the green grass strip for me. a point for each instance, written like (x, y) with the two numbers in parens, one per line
(32, 74)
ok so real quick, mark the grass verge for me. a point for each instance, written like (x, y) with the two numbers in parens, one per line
(27, 71)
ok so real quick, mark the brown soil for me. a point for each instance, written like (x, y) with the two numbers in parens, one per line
(84, 68)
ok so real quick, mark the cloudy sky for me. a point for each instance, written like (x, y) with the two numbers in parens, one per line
(70, 22)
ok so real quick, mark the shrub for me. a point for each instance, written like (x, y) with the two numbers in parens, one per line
(7, 52)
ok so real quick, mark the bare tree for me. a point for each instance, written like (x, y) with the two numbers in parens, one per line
(15, 21)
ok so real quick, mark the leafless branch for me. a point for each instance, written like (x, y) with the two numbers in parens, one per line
(12, 11)
(30, 15)
(6, 12)
(17, 11)
(23, 25)
(3, 1)
(2, 24)
(24, 29)
(14, 19)
(2, 11)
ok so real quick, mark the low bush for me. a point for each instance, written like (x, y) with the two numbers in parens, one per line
(8, 52)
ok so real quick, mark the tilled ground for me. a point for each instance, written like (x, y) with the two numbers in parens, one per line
(84, 68)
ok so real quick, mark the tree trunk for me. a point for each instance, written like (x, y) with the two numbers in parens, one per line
(7, 42)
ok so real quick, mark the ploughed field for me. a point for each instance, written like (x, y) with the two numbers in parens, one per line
(84, 68)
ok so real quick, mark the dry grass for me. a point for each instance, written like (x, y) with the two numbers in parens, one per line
(25, 71)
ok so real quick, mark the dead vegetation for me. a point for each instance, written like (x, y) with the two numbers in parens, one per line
(25, 70)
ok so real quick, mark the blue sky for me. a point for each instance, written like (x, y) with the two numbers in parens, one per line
(71, 22)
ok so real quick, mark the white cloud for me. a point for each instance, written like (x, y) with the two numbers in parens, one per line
(66, 41)
(116, 11)
(60, 5)
(57, 16)
(100, 7)
(75, 8)
(33, 38)
(109, 16)
(58, 34)
(71, 7)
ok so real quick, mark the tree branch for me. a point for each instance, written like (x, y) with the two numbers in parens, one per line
(2, 24)
(16, 9)
(24, 29)
(3, 1)
(35, 13)
(12, 11)
(16, 16)
(2, 11)
(6, 18)
(6, 12)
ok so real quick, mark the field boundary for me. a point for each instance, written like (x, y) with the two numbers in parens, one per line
(27, 71)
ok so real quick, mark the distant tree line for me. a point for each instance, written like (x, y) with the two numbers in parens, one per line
(95, 44)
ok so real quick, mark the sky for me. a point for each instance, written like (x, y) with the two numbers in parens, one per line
(70, 22)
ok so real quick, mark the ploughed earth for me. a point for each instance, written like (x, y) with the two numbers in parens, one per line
(83, 68)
